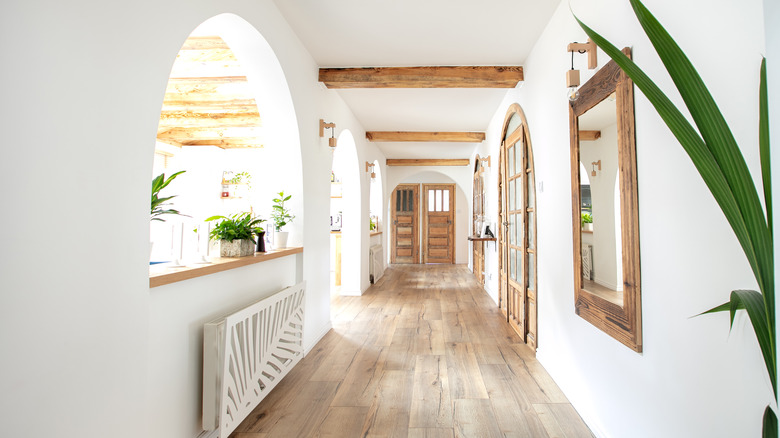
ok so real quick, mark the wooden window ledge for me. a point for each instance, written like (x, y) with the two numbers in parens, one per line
(160, 275)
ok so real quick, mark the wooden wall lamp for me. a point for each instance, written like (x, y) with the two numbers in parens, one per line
(573, 76)
(370, 165)
(332, 127)
(482, 162)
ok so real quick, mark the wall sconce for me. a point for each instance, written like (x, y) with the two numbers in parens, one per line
(332, 127)
(482, 162)
(371, 165)
(593, 166)
(573, 76)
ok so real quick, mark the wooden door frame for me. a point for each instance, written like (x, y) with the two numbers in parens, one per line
(520, 133)
(415, 220)
(424, 213)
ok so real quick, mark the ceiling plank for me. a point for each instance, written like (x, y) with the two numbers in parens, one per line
(590, 135)
(204, 43)
(181, 135)
(233, 143)
(457, 137)
(204, 106)
(188, 119)
(422, 77)
(428, 162)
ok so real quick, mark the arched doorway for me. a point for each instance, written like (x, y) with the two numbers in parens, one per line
(346, 216)
(517, 239)
(477, 219)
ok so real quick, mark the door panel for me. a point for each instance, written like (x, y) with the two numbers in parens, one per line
(438, 223)
(405, 244)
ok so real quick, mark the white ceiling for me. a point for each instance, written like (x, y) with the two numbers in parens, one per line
(370, 33)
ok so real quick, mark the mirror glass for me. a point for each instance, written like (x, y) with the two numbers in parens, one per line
(602, 267)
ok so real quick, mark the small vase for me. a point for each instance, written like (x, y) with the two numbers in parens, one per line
(261, 241)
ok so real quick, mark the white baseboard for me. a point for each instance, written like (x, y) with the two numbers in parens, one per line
(324, 331)
(209, 434)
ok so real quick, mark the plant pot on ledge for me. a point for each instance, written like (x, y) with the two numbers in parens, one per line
(236, 248)
(280, 239)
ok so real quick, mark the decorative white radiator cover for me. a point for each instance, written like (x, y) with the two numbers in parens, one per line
(587, 262)
(375, 265)
(247, 353)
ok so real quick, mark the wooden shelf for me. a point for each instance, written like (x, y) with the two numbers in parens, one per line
(587, 231)
(375, 233)
(482, 239)
(335, 197)
(159, 275)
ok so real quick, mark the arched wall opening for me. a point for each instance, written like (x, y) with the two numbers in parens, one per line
(265, 151)
(348, 207)
(177, 312)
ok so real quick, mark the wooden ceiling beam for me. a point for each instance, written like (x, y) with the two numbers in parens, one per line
(428, 162)
(181, 135)
(590, 135)
(422, 77)
(455, 137)
(187, 119)
(204, 43)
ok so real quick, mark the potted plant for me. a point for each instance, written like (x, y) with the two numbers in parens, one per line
(587, 222)
(236, 234)
(158, 204)
(281, 217)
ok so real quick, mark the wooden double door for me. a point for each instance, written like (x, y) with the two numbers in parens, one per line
(423, 229)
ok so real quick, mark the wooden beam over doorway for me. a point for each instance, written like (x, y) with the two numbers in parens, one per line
(428, 162)
(422, 77)
(393, 136)
(589, 135)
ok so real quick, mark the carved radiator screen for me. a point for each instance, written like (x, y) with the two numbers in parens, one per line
(247, 353)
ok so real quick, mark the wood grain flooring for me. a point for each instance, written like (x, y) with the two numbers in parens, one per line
(423, 353)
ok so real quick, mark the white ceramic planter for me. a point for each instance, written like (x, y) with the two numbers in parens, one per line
(588, 226)
(236, 248)
(280, 239)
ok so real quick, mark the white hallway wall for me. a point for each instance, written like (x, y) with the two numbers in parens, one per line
(680, 385)
(98, 351)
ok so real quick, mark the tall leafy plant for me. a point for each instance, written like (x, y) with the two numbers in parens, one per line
(715, 154)
(159, 206)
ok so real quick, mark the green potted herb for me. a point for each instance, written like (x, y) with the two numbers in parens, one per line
(236, 234)
(586, 222)
(281, 217)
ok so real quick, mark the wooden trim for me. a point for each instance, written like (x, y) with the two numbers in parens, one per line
(218, 264)
(428, 162)
(401, 136)
(422, 77)
(622, 323)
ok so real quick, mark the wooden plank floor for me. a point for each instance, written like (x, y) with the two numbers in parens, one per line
(423, 353)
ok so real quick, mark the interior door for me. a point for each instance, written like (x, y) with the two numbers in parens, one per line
(438, 223)
(404, 205)
(518, 239)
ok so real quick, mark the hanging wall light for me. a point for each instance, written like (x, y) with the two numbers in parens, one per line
(370, 165)
(332, 127)
(594, 165)
(573, 76)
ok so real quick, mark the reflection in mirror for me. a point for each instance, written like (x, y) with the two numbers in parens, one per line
(601, 253)
(604, 192)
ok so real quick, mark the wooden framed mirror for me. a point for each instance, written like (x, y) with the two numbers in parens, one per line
(604, 185)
